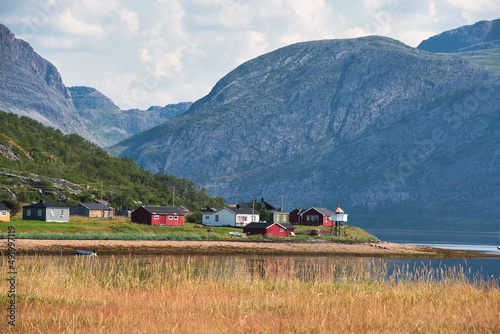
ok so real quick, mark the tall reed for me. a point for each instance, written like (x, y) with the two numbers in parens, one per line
(247, 295)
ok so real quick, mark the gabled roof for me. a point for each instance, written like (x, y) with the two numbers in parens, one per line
(43, 204)
(270, 206)
(323, 211)
(96, 206)
(163, 210)
(4, 207)
(269, 224)
(242, 211)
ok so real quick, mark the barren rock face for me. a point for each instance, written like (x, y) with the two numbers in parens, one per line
(379, 126)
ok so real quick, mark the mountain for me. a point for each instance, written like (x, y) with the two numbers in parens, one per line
(32, 86)
(483, 35)
(110, 123)
(401, 138)
(39, 162)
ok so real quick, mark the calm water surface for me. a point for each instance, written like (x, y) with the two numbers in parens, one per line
(469, 241)
(306, 267)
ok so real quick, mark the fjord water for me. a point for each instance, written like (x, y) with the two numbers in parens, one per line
(467, 241)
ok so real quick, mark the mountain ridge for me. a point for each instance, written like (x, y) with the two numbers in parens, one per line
(482, 35)
(324, 122)
(32, 86)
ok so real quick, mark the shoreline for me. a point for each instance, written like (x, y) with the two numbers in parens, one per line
(237, 247)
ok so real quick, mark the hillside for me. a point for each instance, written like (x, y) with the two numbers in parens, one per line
(40, 162)
(483, 35)
(110, 123)
(400, 137)
(32, 86)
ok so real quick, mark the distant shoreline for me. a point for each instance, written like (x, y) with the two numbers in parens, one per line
(237, 247)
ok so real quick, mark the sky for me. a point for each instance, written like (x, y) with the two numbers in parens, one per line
(158, 52)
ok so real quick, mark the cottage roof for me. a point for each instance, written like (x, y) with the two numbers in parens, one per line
(4, 207)
(243, 211)
(96, 206)
(163, 210)
(269, 224)
(324, 211)
(43, 204)
(270, 206)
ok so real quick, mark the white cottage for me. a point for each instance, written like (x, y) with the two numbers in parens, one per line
(237, 217)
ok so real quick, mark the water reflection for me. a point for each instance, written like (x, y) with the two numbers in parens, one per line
(276, 267)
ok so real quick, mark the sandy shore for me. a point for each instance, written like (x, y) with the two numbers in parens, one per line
(317, 247)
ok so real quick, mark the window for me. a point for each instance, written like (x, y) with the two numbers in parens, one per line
(207, 217)
(175, 217)
(28, 212)
(170, 217)
(4, 213)
(52, 213)
(281, 230)
(242, 218)
(313, 218)
(39, 212)
(157, 217)
(216, 218)
(62, 212)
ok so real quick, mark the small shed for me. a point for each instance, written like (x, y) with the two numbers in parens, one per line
(269, 228)
(95, 210)
(158, 215)
(45, 211)
(4, 213)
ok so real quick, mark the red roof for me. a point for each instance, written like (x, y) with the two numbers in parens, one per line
(339, 210)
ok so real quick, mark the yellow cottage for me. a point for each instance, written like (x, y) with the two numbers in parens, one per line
(4, 213)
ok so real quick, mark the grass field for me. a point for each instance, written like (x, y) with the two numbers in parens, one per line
(168, 295)
(121, 228)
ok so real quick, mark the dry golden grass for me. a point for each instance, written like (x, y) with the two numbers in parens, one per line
(175, 295)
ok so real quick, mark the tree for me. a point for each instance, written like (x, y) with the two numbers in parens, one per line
(13, 205)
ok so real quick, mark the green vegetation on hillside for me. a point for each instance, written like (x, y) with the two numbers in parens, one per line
(36, 157)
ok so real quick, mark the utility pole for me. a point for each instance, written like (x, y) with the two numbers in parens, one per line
(236, 196)
(102, 209)
(173, 196)
(253, 206)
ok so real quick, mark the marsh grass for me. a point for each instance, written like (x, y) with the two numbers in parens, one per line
(198, 295)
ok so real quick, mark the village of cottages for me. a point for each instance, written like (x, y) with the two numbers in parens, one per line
(243, 215)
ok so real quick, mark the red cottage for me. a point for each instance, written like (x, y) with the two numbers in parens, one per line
(271, 228)
(295, 216)
(158, 215)
(316, 217)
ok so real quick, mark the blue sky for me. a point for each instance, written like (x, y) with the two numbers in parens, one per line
(156, 52)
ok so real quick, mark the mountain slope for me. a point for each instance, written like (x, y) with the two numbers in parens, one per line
(404, 136)
(482, 35)
(31, 86)
(109, 123)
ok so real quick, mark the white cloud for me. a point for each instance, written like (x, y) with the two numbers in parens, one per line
(476, 5)
(130, 20)
(71, 25)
